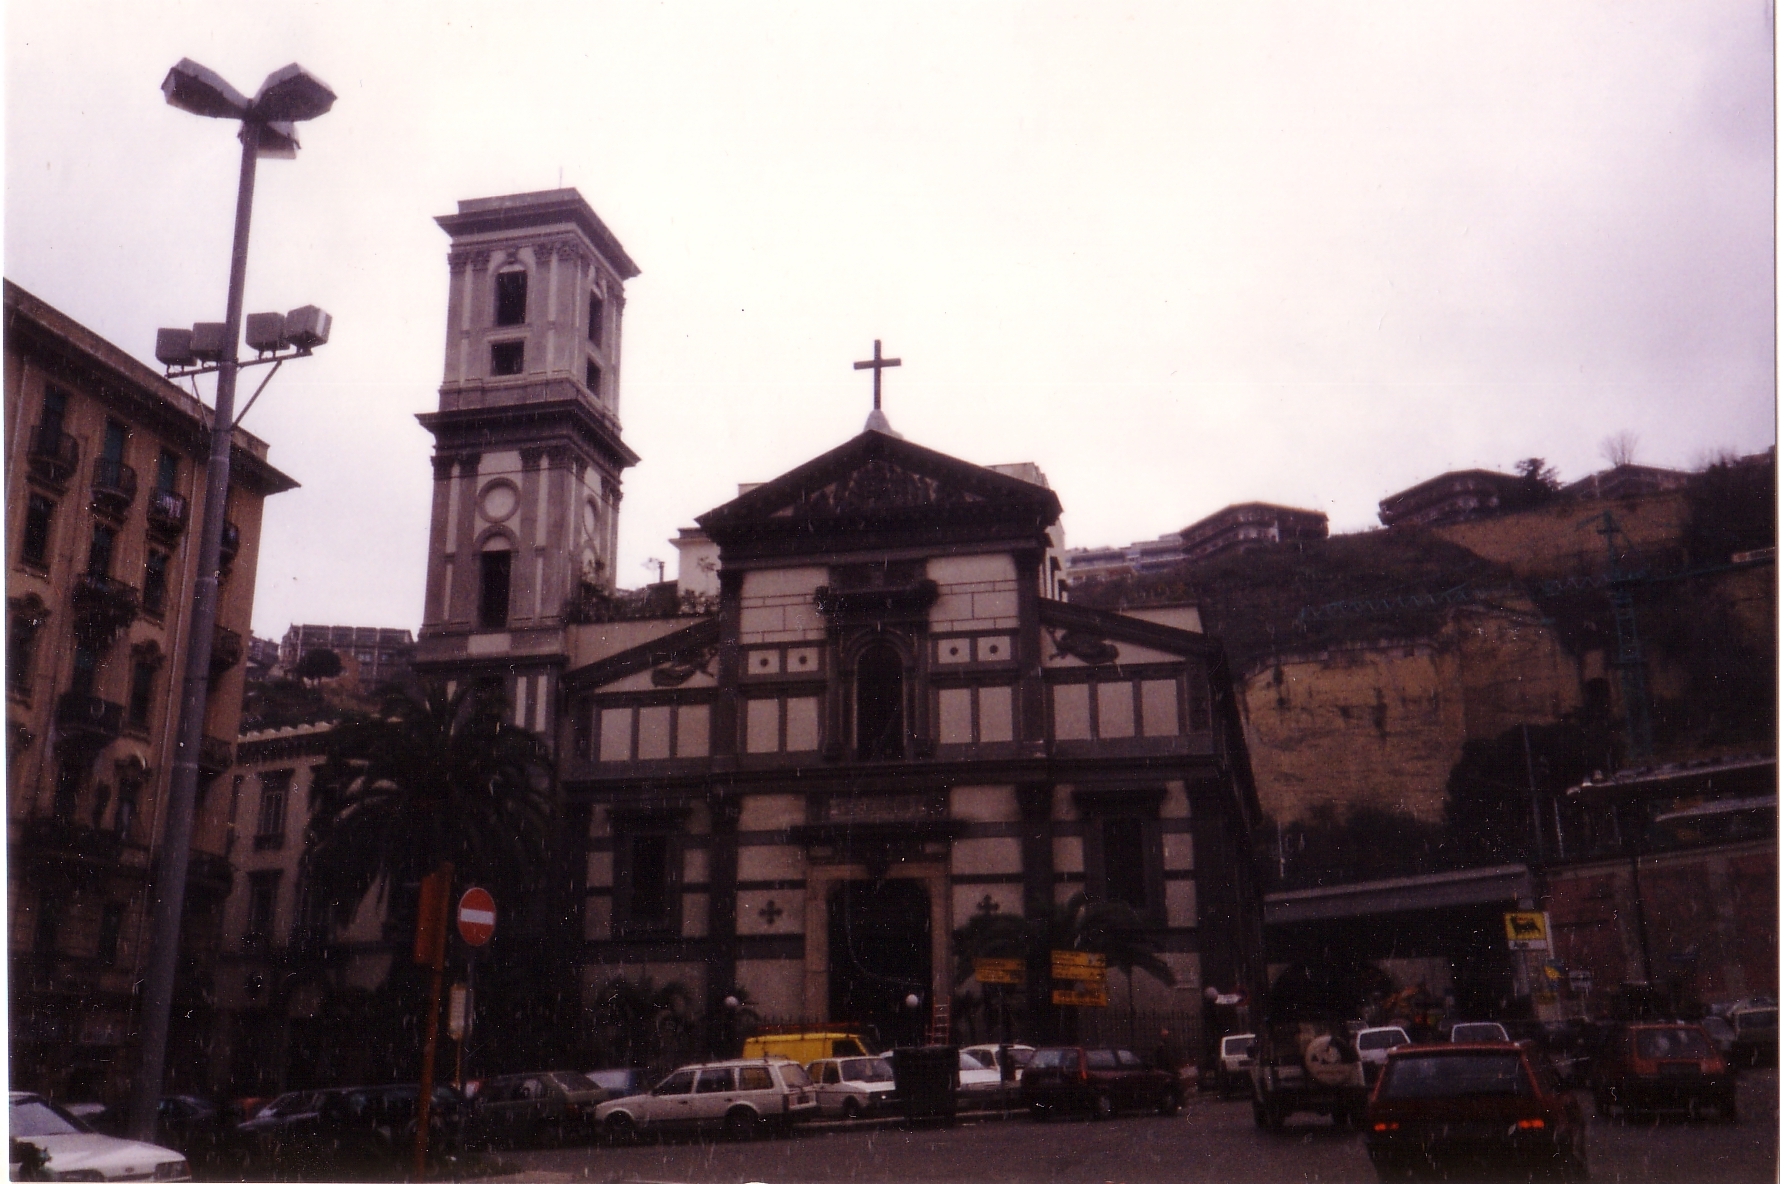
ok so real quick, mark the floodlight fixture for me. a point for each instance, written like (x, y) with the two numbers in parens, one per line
(307, 327)
(285, 98)
(208, 339)
(265, 331)
(291, 95)
(173, 347)
(202, 91)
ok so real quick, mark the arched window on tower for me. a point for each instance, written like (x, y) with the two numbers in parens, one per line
(497, 583)
(878, 715)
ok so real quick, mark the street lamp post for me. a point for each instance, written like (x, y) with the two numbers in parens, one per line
(288, 96)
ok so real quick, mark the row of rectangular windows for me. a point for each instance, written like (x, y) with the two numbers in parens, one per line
(1103, 710)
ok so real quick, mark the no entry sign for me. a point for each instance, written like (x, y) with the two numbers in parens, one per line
(475, 916)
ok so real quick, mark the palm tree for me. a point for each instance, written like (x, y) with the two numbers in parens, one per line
(640, 1024)
(431, 778)
(1118, 931)
(987, 935)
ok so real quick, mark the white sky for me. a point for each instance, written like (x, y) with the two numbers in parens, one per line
(1180, 255)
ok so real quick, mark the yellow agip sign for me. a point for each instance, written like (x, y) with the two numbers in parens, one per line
(1527, 931)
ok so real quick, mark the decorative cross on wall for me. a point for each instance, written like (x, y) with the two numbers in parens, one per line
(770, 912)
(878, 364)
(988, 906)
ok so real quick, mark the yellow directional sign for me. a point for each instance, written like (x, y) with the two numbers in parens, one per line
(1078, 966)
(1011, 971)
(1081, 996)
(1527, 931)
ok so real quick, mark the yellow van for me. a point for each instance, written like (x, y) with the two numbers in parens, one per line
(804, 1045)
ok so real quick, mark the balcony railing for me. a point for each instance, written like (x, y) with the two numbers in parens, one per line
(56, 838)
(231, 542)
(54, 455)
(103, 607)
(89, 715)
(225, 651)
(167, 513)
(114, 487)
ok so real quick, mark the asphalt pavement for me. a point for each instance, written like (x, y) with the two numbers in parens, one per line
(1211, 1141)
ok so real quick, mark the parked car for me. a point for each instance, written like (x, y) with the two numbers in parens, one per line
(619, 1083)
(1665, 1067)
(739, 1097)
(980, 1083)
(1303, 1061)
(1455, 1109)
(852, 1087)
(1373, 1044)
(1757, 1027)
(317, 1130)
(1723, 1036)
(804, 1045)
(1234, 1062)
(990, 1055)
(1480, 1032)
(71, 1150)
(1100, 1081)
(520, 1109)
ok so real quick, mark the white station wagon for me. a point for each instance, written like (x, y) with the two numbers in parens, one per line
(740, 1098)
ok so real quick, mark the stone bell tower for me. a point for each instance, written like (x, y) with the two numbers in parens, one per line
(528, 459)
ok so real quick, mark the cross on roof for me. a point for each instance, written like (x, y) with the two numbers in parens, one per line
(877, 365)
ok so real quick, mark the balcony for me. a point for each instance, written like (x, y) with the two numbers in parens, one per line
(167, 514)
(231, 542)
(55, 838)
(84, 715)
(53, 454)
(214, 755)
(103, 607)
(114, 487)
(225, 651)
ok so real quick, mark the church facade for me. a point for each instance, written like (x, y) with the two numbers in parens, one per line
(892, 722)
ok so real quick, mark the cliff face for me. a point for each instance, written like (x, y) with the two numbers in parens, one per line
(1366, 662)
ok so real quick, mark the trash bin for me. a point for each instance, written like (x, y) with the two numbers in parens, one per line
(926, 1082)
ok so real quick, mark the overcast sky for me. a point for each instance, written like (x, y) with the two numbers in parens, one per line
(1180, 255)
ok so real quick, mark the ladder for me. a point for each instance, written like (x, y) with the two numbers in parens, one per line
(939, 1030)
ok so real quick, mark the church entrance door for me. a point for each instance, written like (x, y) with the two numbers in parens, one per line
(880, 951)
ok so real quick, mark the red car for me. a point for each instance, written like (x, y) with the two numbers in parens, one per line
(1665, 1067)
(1101, 1081)
(1441, 1108)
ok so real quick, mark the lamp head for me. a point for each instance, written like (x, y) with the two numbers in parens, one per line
(201, 91)
(290, 95)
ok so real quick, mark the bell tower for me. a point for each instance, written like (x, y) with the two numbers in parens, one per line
(528, 458)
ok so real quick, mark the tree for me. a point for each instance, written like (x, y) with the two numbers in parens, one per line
(988, 934)
(1538, 483)
(1620, 449)
(319, 664)
(641, 1025)
(431, 778)
(1107, 927)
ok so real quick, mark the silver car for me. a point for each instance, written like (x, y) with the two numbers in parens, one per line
(74, 1151)
(1374, 1045)
(739, 1098)
(852, 1087)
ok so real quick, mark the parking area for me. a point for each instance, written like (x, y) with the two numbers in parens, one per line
(1211, 1141)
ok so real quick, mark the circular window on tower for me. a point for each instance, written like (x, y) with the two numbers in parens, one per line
(499, 500)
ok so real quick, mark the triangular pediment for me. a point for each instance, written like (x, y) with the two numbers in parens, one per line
(877, 478)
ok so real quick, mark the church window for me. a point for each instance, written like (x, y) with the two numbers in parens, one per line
(1069, 709)
(615, 733)
(1161, 708)
(509, 297)
(976, 715)
(596, 320)
(1122, 852)
(593, 378)
(646, 896)
(763, 725)
(878, 716)
(1117, 715)
(654, 734)
(693, 735)
(1122, 848)
(506, 358)
(38, 513)
(497, 583)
